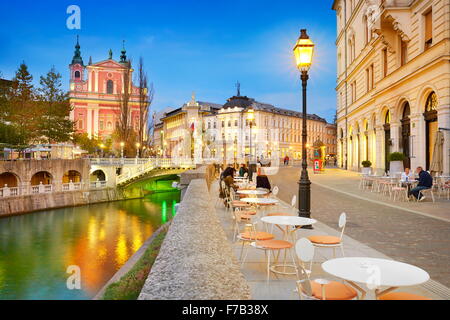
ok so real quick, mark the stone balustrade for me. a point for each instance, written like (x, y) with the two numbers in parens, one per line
(196, 260)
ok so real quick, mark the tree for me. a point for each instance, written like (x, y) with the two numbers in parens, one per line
(145, 101)
(125, 130)
(23, 109)
(55, 125)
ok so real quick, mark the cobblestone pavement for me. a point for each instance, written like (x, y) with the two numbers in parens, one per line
(402, 235)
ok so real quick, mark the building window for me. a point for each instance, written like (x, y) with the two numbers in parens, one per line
(385, 61)
(367, 79)
(109, 87)
(229, 123)
(372, 77)
(403, 52)
(223, 124)
(77, 75)
(235, 123)
(209, 125)
(80, 124)
(215, 125)
(101, 125)
(428, 29)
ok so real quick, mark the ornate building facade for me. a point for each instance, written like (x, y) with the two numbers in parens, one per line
(95, 94)
(393, 81)
(210, 130)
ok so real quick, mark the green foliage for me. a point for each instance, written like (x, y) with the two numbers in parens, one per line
(37, 116)
(396, 156)
(366, 164)
(55, 124)
(91, 145)
(130, 285)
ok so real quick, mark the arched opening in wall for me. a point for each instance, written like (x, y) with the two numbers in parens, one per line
(109, 87)
(72, 176)
(342, 147)
(406, 134)
(77, 75)
(387, 139)
(43, 177)
(431, 127)
(366, 139)
(358, 147)
(8, 179)
(98, 175)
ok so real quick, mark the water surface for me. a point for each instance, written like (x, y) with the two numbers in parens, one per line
(36, 249)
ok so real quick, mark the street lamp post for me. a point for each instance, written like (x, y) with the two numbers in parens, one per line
(303, 51)
(251, 118)
(122, 145)
(102, 146)
(138, 146)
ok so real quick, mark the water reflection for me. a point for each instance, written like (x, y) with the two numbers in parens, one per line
(36, 249)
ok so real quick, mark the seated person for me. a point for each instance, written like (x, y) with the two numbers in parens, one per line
(228, 172)
(425, 182)
(407, 175)
(243, 170)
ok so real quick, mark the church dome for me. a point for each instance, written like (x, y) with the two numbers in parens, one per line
(239, 101)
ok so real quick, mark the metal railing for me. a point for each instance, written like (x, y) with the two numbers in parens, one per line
(154, 163)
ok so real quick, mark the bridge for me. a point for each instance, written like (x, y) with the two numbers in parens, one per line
(32, 177)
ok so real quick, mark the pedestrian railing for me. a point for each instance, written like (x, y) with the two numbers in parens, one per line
(151, 164)
(42, 189)
(71, 186)
(98, 185)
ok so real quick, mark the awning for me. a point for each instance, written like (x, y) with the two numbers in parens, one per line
(437, 162)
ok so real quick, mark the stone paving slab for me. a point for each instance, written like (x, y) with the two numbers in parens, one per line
(196, 261)
(400, 234)
(282, 287)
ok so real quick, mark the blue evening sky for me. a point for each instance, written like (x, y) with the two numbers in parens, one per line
(187, 45)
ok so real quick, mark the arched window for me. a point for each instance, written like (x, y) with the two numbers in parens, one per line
(77, 75)
(387, 119)
(109, 87)
(431, 103)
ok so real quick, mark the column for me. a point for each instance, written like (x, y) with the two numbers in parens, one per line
(96, 133)
(379, 157)
(417, 142)
(89, 122)
(395, 136)
(444, 123)
(96, 81)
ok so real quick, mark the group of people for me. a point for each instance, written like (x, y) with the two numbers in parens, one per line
(425, 182)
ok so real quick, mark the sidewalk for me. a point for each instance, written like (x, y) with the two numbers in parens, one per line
(347, 182)
(282, 287)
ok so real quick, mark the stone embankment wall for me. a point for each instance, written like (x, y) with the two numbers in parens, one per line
(39, 202)
(196, 260)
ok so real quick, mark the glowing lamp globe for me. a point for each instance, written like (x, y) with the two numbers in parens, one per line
(303, 51)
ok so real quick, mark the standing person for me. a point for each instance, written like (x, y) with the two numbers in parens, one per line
(287, 160)
(243, 170)
(425, 182)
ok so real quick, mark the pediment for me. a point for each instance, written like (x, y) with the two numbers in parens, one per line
(108, 64)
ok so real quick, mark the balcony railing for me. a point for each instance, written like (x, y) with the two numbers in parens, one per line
(98, 185)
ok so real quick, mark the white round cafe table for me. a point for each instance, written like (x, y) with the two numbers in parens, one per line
(291, 224)
(376, 273)
(260, 200)
(252, 192)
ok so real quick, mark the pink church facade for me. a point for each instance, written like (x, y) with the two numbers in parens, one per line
(95, 92)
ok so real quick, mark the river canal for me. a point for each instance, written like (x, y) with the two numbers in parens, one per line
(37, 249)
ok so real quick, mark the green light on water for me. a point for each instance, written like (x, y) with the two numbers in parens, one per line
(164, 212)
(174, 211)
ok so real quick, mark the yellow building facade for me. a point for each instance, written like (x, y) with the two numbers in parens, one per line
(393, 81)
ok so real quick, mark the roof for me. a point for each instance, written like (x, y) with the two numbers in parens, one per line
(214, 108)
